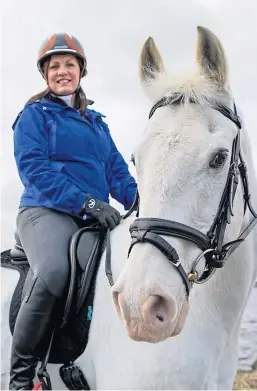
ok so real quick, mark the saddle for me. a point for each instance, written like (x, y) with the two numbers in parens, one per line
(70, 337)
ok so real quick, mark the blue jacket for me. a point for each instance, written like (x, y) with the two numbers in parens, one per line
(62, 156)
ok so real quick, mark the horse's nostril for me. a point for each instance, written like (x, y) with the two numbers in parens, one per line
(160, 317)
(158, 307)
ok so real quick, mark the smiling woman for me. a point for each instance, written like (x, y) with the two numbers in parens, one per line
(69, 166)
(62, 63)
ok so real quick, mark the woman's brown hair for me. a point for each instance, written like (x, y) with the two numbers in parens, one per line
(80, 102)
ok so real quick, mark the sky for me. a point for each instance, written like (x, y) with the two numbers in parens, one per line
(113, 33)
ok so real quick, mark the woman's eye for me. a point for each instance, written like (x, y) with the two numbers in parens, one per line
(219, 159)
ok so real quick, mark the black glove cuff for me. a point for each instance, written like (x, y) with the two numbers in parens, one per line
(82, 210)
(91, 203)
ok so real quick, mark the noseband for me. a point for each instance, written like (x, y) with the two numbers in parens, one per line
(215, 252)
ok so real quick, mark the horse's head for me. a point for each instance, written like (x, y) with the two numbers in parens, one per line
(182, 166)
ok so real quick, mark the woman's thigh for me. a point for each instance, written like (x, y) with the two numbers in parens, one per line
(45, 235)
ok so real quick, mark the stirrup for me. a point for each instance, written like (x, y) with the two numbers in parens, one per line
(73, 377)
(44, 379)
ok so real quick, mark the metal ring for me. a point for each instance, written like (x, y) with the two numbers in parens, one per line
(193, 275)
(207, 278)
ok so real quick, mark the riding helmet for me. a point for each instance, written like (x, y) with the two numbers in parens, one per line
(62, 43)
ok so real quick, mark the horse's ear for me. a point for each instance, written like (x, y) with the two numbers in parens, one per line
(211, 57)
(150, 63)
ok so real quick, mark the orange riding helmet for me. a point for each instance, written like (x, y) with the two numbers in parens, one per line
(62, 43)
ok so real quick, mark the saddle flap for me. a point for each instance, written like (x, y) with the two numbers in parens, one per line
(87, 247)
(85, 250)
(88, 256)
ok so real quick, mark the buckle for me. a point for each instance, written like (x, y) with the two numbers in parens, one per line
(73, 377)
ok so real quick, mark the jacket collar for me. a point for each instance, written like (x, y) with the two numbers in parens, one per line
(57, 104)
(59, 101)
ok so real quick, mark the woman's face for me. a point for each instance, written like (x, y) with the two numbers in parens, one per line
(63, 74)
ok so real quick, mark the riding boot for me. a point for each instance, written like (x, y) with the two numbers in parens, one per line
(33, 326)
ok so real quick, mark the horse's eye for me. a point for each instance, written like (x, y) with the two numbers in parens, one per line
(132, 159)
(219, 159)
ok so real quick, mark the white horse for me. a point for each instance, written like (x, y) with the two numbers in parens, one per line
(188, 340)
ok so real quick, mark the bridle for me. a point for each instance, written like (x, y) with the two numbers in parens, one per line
(216, 253)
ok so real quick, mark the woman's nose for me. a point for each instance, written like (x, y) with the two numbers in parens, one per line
(62, 71)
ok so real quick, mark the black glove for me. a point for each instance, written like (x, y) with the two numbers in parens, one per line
(107, 216)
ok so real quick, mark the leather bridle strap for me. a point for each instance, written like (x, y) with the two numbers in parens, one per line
(172, 228)
(143, 235)
(178, 98)
(225, 211)
(233, 245)
(149, 230)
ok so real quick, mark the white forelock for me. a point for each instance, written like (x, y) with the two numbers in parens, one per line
(192, 84)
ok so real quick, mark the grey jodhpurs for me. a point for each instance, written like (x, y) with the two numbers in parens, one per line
(44, 235)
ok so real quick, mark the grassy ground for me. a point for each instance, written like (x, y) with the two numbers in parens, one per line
(246, 380)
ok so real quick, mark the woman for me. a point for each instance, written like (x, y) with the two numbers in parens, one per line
(68, 164)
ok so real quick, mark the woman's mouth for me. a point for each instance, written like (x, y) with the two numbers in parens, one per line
(63, 81)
